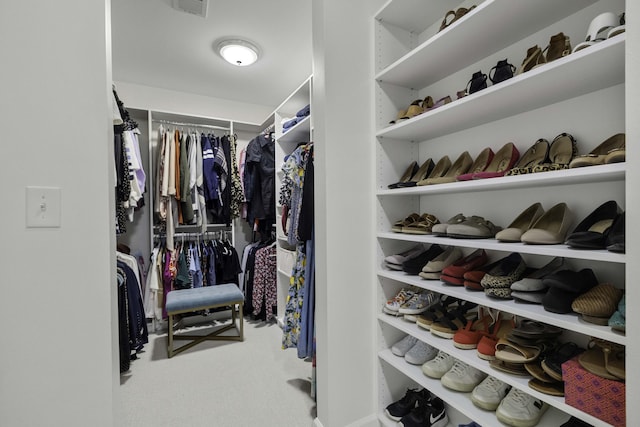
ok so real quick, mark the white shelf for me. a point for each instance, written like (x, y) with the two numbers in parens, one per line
(461, 401)
(470, 357)
(584, 175)
(298, 133)
(530, 311)
(525, 92)
(494, 245)
(475, 36)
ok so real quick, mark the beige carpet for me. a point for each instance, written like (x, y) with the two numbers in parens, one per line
(219, 383)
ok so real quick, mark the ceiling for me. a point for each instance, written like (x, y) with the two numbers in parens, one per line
(156, 45)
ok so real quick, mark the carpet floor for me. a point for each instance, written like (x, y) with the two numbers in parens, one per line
(218, 383)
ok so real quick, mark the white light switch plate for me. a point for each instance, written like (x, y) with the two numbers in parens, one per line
(44, 206)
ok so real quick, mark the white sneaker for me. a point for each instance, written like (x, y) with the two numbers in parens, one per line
(462, 377)
(440, 365)
(404, 345)
(420, 353)
(519, 409)
(393, 305)
(489, 393)
(419, 303)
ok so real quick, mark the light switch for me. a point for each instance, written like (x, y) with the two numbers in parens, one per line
(44, 206)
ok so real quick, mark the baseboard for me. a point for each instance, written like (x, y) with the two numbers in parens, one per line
(368, 421)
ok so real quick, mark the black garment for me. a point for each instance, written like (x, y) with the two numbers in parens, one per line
(123, 323)
(260, 163)
(231, 264)
(225, 144)
(305, 223)
(138, 334)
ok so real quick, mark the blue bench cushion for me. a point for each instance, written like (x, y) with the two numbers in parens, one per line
(208, 296)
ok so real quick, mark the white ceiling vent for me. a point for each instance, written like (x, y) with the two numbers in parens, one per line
(195, 7)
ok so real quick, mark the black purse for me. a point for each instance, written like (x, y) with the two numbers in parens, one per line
(478, 82)
(501, 72)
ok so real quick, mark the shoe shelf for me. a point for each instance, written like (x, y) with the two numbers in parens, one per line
(299, 132)
(537, 312)
(470, 357)
(494, 245)
(461, 401)
(485, 26)
(525, 92)
(584, 175)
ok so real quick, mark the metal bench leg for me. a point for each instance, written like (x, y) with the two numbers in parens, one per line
(170, 345)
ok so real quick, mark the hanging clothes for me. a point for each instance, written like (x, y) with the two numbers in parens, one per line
(264, 293)
(260, 182)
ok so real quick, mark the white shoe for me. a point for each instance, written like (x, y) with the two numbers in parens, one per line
(462, 377)
(404, 345)
(489, 393)
(420, 353)
(440, 365)
(519, 409)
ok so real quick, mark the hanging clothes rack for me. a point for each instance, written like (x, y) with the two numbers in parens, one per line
(193, 125)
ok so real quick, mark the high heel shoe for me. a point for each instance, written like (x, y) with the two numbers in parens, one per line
(479, 164)
(424, 171)
(504, 160)
(460, 166)
(535, 155)
(406, 176)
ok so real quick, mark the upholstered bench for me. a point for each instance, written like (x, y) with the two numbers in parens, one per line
(196, 299)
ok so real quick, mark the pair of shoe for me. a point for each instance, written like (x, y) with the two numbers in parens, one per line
(502, 71)
(547, 371)
(413, 350)
(603, 27)
(418, 408)
(603, 228)
(543, 157)
(394, 262)
(564, 287)
(464, 164)
(453, 319)
(531, 287)
(598, 304)
(433, 269)
(498, 280)
(453, 16)
(611, 150)
(418, 107)
(535, 226)
(558, 47)
(409, 302)
(414, 266)
(415, 224)
(502, 161)
(454, 273)
(473, 227)
(453, 374)
(604, 359)
(520, 409)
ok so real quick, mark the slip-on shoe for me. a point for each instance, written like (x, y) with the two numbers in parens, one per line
(528, 297)
(454, 273)
(423, 171)
(479, 164)
(551, 228)
(559, 301)
(536, 154)
(571, 281)
(441, 229)
(533, 282)
(522, 223)
(406, 176)
(615, 237)
(474, 227)
(473, 278)
(398, 259)
(434, 267)
(613, 148)
(591, 232)
(598, 304)
(414, 265)
(460, 166)
(503, 275)
(503, 160)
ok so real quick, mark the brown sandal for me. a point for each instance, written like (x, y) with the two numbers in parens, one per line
(456, 15)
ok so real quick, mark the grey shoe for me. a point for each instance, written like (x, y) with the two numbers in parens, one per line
(404, 345)
(420, 353)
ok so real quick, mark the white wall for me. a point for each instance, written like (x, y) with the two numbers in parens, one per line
(58, 365)
(153, 98)
(343, 113)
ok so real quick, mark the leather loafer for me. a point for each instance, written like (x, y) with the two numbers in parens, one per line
(551, 228)
(592, 231)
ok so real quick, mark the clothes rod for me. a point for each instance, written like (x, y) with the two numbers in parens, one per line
(169, 122)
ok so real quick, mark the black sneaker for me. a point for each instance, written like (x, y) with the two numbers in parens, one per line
(414, 265)
(404, 406)
(429, 413)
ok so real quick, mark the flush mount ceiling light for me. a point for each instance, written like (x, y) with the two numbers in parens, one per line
(238, 52)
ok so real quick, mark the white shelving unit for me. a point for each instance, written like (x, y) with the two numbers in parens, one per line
(414, 60)
(286, 142)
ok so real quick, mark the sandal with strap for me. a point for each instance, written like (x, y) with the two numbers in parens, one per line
(468, 338)
(399, 225)
(422, 226)
(448, 325)
(456, 15)
(436, 311)
(487, 345)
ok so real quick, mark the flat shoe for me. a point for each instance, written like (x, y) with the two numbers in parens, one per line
(598, 304)
(558, 301)
(552, 389)
(479, 164)
(422, 226)
(572, 281)
(533, 282)
(562, 151)
(598, 155)
(474, 227)
(551, 228)
(591, 232)
(535, 155)
(593, 360)
(510, 352)
(441, 228)
(423, 171)
(522, 223)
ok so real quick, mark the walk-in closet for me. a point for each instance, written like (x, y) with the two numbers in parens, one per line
(387, 213)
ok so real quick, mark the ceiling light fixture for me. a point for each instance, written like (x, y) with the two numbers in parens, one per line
(238, 52)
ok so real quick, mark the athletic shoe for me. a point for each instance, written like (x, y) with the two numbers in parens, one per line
(404, 406)
(489, 393)
(440, 365)
(404, 345)
(420, 353)
(393, 305)
(519, 409)
(430, 413)
(462, 377)
(419, 303)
